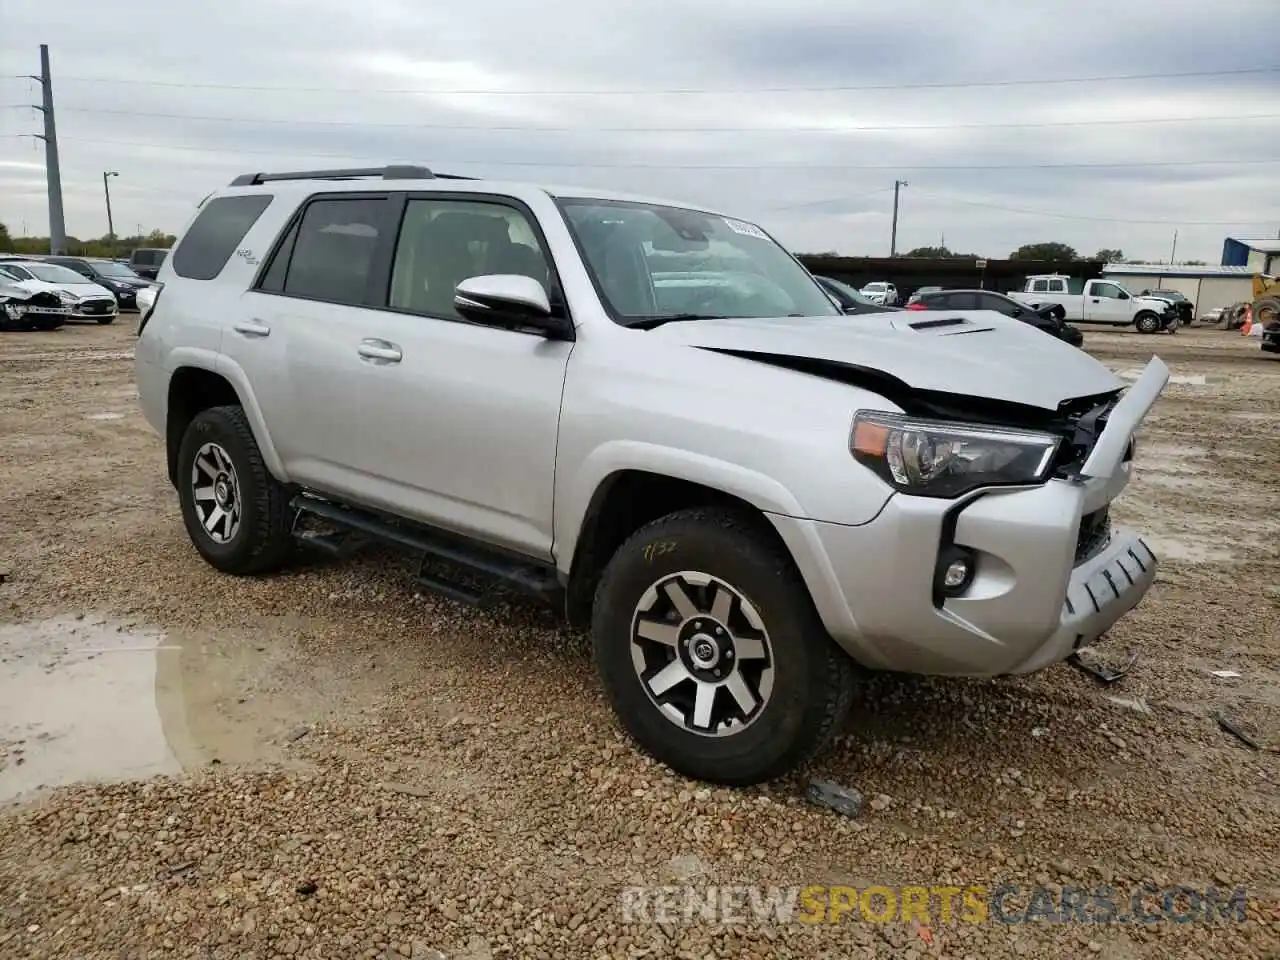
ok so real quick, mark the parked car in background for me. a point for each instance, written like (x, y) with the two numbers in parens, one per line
(920, 292)
(881, 292)
(146, 261)
(86, 299)
(21, 309)
(1098, 301)
(850, 300)
(115, 276)
(1181, 302)
(1044, 318)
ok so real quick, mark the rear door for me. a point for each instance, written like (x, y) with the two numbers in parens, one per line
(298, 330)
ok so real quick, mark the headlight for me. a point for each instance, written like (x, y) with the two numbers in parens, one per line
(66, 297)
(934, 458)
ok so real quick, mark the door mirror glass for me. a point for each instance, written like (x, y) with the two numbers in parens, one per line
(506, 300)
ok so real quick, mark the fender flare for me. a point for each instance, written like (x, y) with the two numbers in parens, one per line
(229, 370)
(615, 456)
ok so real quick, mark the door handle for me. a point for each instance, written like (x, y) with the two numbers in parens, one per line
(382, 350)
(252, 328)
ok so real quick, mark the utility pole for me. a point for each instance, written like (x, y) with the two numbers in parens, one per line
(1175, 247)
(111, 230)
(893, 237)
(52, 173)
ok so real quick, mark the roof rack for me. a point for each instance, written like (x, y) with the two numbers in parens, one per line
(391, 172)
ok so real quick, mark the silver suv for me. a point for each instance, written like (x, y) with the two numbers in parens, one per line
(651, 416)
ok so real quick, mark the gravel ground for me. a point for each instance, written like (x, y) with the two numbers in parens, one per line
(370, 772)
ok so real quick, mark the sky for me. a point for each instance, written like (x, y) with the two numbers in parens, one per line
(799, 115)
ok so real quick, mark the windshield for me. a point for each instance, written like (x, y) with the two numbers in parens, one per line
(876, 287)
(650, 262)
(109, 268)
(52, 273)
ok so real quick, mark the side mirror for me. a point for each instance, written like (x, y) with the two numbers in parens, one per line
(509, 300)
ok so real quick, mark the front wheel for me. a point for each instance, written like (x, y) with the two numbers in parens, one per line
(711, 651)
(1147, 322)
(235, 511)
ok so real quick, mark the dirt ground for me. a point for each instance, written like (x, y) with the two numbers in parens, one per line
(328, 764)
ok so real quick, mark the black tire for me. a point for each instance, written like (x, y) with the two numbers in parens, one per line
(103, 321)
(812, 677)
(264, 539)
(1266, 311)
(1147, 322)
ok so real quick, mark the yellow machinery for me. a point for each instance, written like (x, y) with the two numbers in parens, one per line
(1266, 299)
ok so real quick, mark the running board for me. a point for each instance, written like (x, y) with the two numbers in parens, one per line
(491, 568)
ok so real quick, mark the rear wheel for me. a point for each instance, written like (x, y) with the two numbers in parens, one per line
(236, 513)
(711, 651)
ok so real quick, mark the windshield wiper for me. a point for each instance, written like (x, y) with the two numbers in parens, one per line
(657, 320)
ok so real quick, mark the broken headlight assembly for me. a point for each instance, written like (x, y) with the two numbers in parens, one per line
(936, 458)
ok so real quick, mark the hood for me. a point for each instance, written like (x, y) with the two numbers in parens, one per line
(977, 353)
(128, 281)
(78, 290)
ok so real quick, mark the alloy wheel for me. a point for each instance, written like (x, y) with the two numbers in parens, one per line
(702, 654)
(216, 493)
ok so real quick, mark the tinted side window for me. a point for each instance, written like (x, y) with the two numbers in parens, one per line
(443, 242)
(962, 301)
(214, 235)
(1040, 286)
(989, 301)
(333, 252)
(273, 279)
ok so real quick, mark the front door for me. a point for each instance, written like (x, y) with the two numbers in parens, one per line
(1108, 303)
(460, 420)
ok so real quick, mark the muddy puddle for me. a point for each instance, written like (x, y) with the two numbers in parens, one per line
(78, 702)
(88, 698)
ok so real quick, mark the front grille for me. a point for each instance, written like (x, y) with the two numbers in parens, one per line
(1095, 533)
(95, 306)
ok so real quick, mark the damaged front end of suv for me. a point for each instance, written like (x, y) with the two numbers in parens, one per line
(23, 310)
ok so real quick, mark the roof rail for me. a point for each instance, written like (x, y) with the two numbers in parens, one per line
(390, 172)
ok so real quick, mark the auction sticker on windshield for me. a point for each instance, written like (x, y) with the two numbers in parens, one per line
(746, 229)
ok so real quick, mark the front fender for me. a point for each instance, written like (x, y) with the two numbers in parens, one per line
(761, 491)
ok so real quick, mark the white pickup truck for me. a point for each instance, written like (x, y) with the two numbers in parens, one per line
(1099, 301)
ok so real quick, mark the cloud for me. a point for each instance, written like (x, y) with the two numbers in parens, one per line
(517, 92)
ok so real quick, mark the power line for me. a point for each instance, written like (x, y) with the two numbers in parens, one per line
(666, 165)
(1077, 216)
(291, 121)
(683, 91)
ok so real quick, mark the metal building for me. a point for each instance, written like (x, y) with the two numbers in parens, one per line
(1261, 255)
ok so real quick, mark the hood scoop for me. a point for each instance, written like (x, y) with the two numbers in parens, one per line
(944, 323)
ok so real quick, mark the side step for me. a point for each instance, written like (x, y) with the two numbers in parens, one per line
(492, 569)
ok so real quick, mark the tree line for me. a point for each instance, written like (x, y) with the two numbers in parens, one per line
(97, 247)
(1059, 252)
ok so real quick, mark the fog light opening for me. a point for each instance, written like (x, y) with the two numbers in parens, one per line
(957, 574)
(956, 569)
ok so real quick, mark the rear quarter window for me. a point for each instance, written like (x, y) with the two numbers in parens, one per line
(215, 233)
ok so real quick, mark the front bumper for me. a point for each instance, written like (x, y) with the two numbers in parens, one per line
(94, 309)
(1047, 580)
(127, 298)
